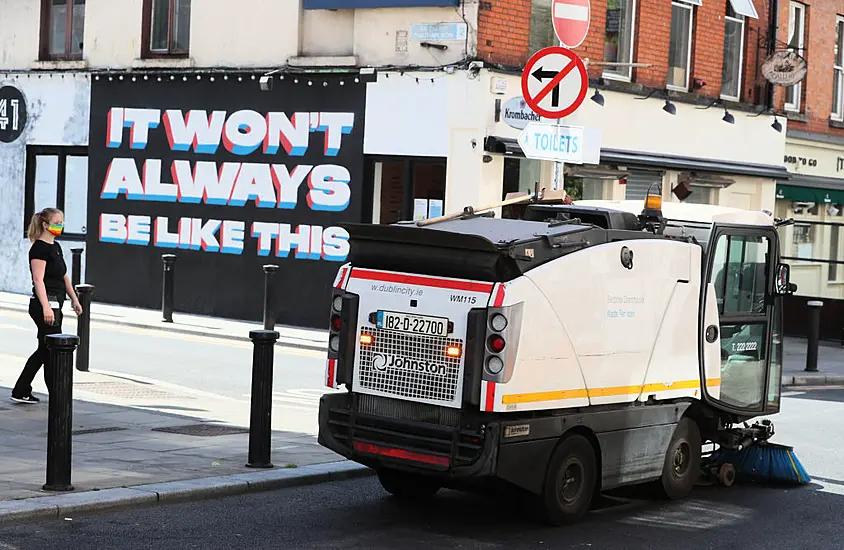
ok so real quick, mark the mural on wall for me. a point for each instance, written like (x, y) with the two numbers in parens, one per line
(227, 177)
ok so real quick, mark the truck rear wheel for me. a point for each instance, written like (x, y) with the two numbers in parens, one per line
(406, 485)
(569, 482)
(681, 468)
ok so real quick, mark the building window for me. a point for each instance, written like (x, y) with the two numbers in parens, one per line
(57, 177)
(166, 28)
(618, 39)
(680, 47)
(803, 241)
(838, 71)
(733, 55)
(796, 35)
(541, 27)
(62, 29)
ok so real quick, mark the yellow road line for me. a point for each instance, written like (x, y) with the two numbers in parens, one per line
(604, 392)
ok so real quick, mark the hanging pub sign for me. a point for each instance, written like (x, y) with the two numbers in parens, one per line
(228, 177)
(12, 114)
(784, 68)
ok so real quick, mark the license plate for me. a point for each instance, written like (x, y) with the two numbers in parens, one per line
(415, 324)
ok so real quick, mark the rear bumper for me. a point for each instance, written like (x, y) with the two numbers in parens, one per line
(409, 438)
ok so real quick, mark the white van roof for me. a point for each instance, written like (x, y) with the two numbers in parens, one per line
(698, 213)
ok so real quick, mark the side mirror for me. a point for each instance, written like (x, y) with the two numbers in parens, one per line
(783, 285)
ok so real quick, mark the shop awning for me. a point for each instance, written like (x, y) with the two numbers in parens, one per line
(816, 189)
(511, 147)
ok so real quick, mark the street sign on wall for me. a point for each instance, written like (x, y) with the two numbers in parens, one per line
(553, 142)
(554, 82)
(571, 21)
(12, 114)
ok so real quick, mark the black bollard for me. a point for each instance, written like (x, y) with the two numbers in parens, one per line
(76, 267)
(269, 312)
(260, 420)
(814, 335)
(60, 411)
(167, 287)
(83, 327)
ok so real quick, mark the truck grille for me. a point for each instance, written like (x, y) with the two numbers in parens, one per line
(374, 405)
(409, 365)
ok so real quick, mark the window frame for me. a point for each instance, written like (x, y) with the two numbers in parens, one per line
(837, 110)
(793, 7)
(690, 7)
(741, 20)
(146, 35)
(62, 152)
(625, 74)
(46, 32)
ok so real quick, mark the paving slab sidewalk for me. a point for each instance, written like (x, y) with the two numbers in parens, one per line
(128, 451)
(830, 364)
(183, 323)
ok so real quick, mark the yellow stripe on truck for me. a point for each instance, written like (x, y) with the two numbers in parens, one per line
(604, 392)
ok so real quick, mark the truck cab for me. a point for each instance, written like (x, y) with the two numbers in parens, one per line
(576, 349)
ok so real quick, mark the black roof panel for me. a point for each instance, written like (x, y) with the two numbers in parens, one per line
(500, 231)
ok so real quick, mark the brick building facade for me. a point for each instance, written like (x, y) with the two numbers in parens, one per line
(640, 31)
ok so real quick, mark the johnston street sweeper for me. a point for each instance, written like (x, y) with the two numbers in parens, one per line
(576, 349)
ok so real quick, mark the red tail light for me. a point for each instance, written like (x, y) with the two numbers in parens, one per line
(496, 343)
(336, 323)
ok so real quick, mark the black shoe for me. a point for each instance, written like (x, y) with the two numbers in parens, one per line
(27, 399)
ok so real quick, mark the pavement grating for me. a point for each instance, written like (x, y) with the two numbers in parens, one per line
(127, 390)
(202, 430)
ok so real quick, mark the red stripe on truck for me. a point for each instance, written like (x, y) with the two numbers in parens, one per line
(489, 403)
(393, 452)
(420, 280)
(331, 365)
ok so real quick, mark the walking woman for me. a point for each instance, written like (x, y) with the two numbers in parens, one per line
(50, 287)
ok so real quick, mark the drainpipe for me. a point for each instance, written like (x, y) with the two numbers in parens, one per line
(773, 25)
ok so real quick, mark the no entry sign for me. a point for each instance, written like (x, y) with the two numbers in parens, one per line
(571, 21)
(554, 82)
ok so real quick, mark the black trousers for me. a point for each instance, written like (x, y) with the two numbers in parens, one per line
(39, 358)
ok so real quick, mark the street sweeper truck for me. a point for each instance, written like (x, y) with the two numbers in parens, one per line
(578, 348)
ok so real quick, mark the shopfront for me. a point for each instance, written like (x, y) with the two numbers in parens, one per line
(44, 159)
(814, 244)
(642, 144)
(227, 176)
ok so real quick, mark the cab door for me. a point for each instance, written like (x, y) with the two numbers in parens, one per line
(741, 265)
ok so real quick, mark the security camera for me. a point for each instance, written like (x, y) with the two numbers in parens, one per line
(476, 65)
(266, 83)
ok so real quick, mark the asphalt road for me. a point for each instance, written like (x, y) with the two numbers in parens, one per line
(211, 365)
(359, 514)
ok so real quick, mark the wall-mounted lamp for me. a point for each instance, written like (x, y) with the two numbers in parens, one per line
(598, 98)
(728, 117)
(776, 125)
(266, 83)
(768, 110)
(669, 107)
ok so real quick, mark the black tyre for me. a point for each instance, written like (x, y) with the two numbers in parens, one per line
(406, 485)
(569, 482)
(681, 468)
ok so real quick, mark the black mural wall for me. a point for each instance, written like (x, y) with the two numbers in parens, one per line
(227, 177)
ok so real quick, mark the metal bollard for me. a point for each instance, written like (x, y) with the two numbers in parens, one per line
(269, 312)
(83, 327)
(814, 335)
(60, 411)
(76, 266)
(260, 420)
(167, 287)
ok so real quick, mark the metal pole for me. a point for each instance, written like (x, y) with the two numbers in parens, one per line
(167, 287)
(269, 311)
(60, 412)
(814, 335)
(260, 421)
(83, 326)
(76, 266)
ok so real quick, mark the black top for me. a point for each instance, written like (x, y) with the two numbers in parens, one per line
(56, 268)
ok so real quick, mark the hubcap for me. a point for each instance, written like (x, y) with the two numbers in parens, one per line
(682, 458)
(571, 483)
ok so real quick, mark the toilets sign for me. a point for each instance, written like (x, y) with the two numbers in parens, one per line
(552, 142)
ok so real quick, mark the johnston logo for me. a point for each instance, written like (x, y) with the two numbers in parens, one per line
(382, 362)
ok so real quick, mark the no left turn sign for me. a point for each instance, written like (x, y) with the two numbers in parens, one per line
(554, 82)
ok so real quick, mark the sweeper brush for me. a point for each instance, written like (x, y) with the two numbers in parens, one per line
(762, 461)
